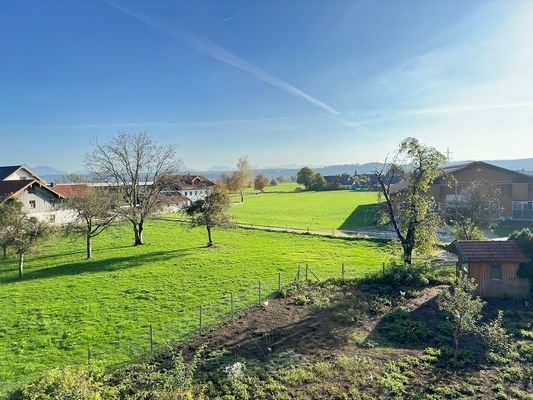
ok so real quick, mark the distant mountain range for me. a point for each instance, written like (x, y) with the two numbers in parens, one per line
(51, 174)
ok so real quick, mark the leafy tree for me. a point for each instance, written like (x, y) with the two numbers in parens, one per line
(524, 239)
(417, 222)
(95, 212)
(473, 208)
(242, 177)
(464, 308)
(305, 177)
(138, 169)
(260, 182)
(10, 211)
(274, 182)
(25, 234)
(210, 211)
(317, 182)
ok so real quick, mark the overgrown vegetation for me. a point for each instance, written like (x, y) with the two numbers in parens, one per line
(67, 304)
(381, 344)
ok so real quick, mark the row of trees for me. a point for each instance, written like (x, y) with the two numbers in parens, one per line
(135, 172)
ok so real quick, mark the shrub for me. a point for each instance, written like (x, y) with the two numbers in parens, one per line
(69, 384)
(401, 328)
(495, 336)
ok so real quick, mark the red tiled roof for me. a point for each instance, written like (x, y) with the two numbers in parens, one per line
(490, 251)
(68, 189)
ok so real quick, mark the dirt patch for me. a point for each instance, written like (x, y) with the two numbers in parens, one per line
(276, 327)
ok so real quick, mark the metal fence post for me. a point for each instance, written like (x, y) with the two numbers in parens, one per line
(279, 281)
(201, 316)
(151, 339)
(306, 269)
(89, 359)
(259, 292)
(232, 306)
(342, 271)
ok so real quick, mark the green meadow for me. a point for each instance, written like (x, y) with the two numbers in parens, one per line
(66, 304)
(339, 209)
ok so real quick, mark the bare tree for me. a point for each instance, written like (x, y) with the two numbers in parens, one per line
(138, 169)
(95, 210)
(416, 222)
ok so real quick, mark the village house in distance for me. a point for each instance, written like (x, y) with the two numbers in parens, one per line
(43, 200)
(515, 189)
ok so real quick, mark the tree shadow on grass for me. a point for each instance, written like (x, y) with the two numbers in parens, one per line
(363, 216)
(96, 266)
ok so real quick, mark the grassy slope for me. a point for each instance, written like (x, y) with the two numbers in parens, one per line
(340, 209)
(67, 304)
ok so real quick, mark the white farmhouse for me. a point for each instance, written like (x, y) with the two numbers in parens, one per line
(39, 199)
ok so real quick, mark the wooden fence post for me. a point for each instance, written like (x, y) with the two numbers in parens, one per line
(383, 268)
(279, 281)
(342, 271)
(298, 273)
(306, 269)
(89, 360)
(259, 291)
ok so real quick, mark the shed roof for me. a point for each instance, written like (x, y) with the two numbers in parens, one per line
(490, 251)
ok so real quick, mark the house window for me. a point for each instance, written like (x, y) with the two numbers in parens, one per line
(32, 204)
(495, 272)
(523, 210)
(52, 218)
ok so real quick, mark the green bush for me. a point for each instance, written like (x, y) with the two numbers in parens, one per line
(69, 384)
(399, 327)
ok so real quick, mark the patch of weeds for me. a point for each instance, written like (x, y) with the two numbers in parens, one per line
(520, 394)
(379, 305)
(525, 349)
(511, 374)
(431, 355)
(401, 328)
(393, 380)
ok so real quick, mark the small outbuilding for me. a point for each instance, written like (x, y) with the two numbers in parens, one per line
(494, 265)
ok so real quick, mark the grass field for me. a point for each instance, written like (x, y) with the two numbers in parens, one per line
(341, 209)
(67, 304)
(281, 188)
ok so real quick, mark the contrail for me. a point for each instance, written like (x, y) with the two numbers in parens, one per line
(233, 16)
(217, 52)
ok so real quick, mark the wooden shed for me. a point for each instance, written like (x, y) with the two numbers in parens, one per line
(494, 266)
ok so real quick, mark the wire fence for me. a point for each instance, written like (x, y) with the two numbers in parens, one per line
(201, 317)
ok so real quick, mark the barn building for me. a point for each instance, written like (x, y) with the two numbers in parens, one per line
(494, 265)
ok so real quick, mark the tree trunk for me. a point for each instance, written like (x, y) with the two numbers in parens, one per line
(456, 350)
(407, 253)
(138, 230)
(210, 239)
(242, 197)
(89, 246)
(4, 248)
(21, 265)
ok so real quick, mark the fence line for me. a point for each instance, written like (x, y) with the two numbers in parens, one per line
(212, 314)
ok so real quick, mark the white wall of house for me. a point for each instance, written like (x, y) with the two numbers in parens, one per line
(20, 175)
(40, 203)
(195, 194)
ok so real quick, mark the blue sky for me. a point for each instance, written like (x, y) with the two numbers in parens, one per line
(285, 82)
